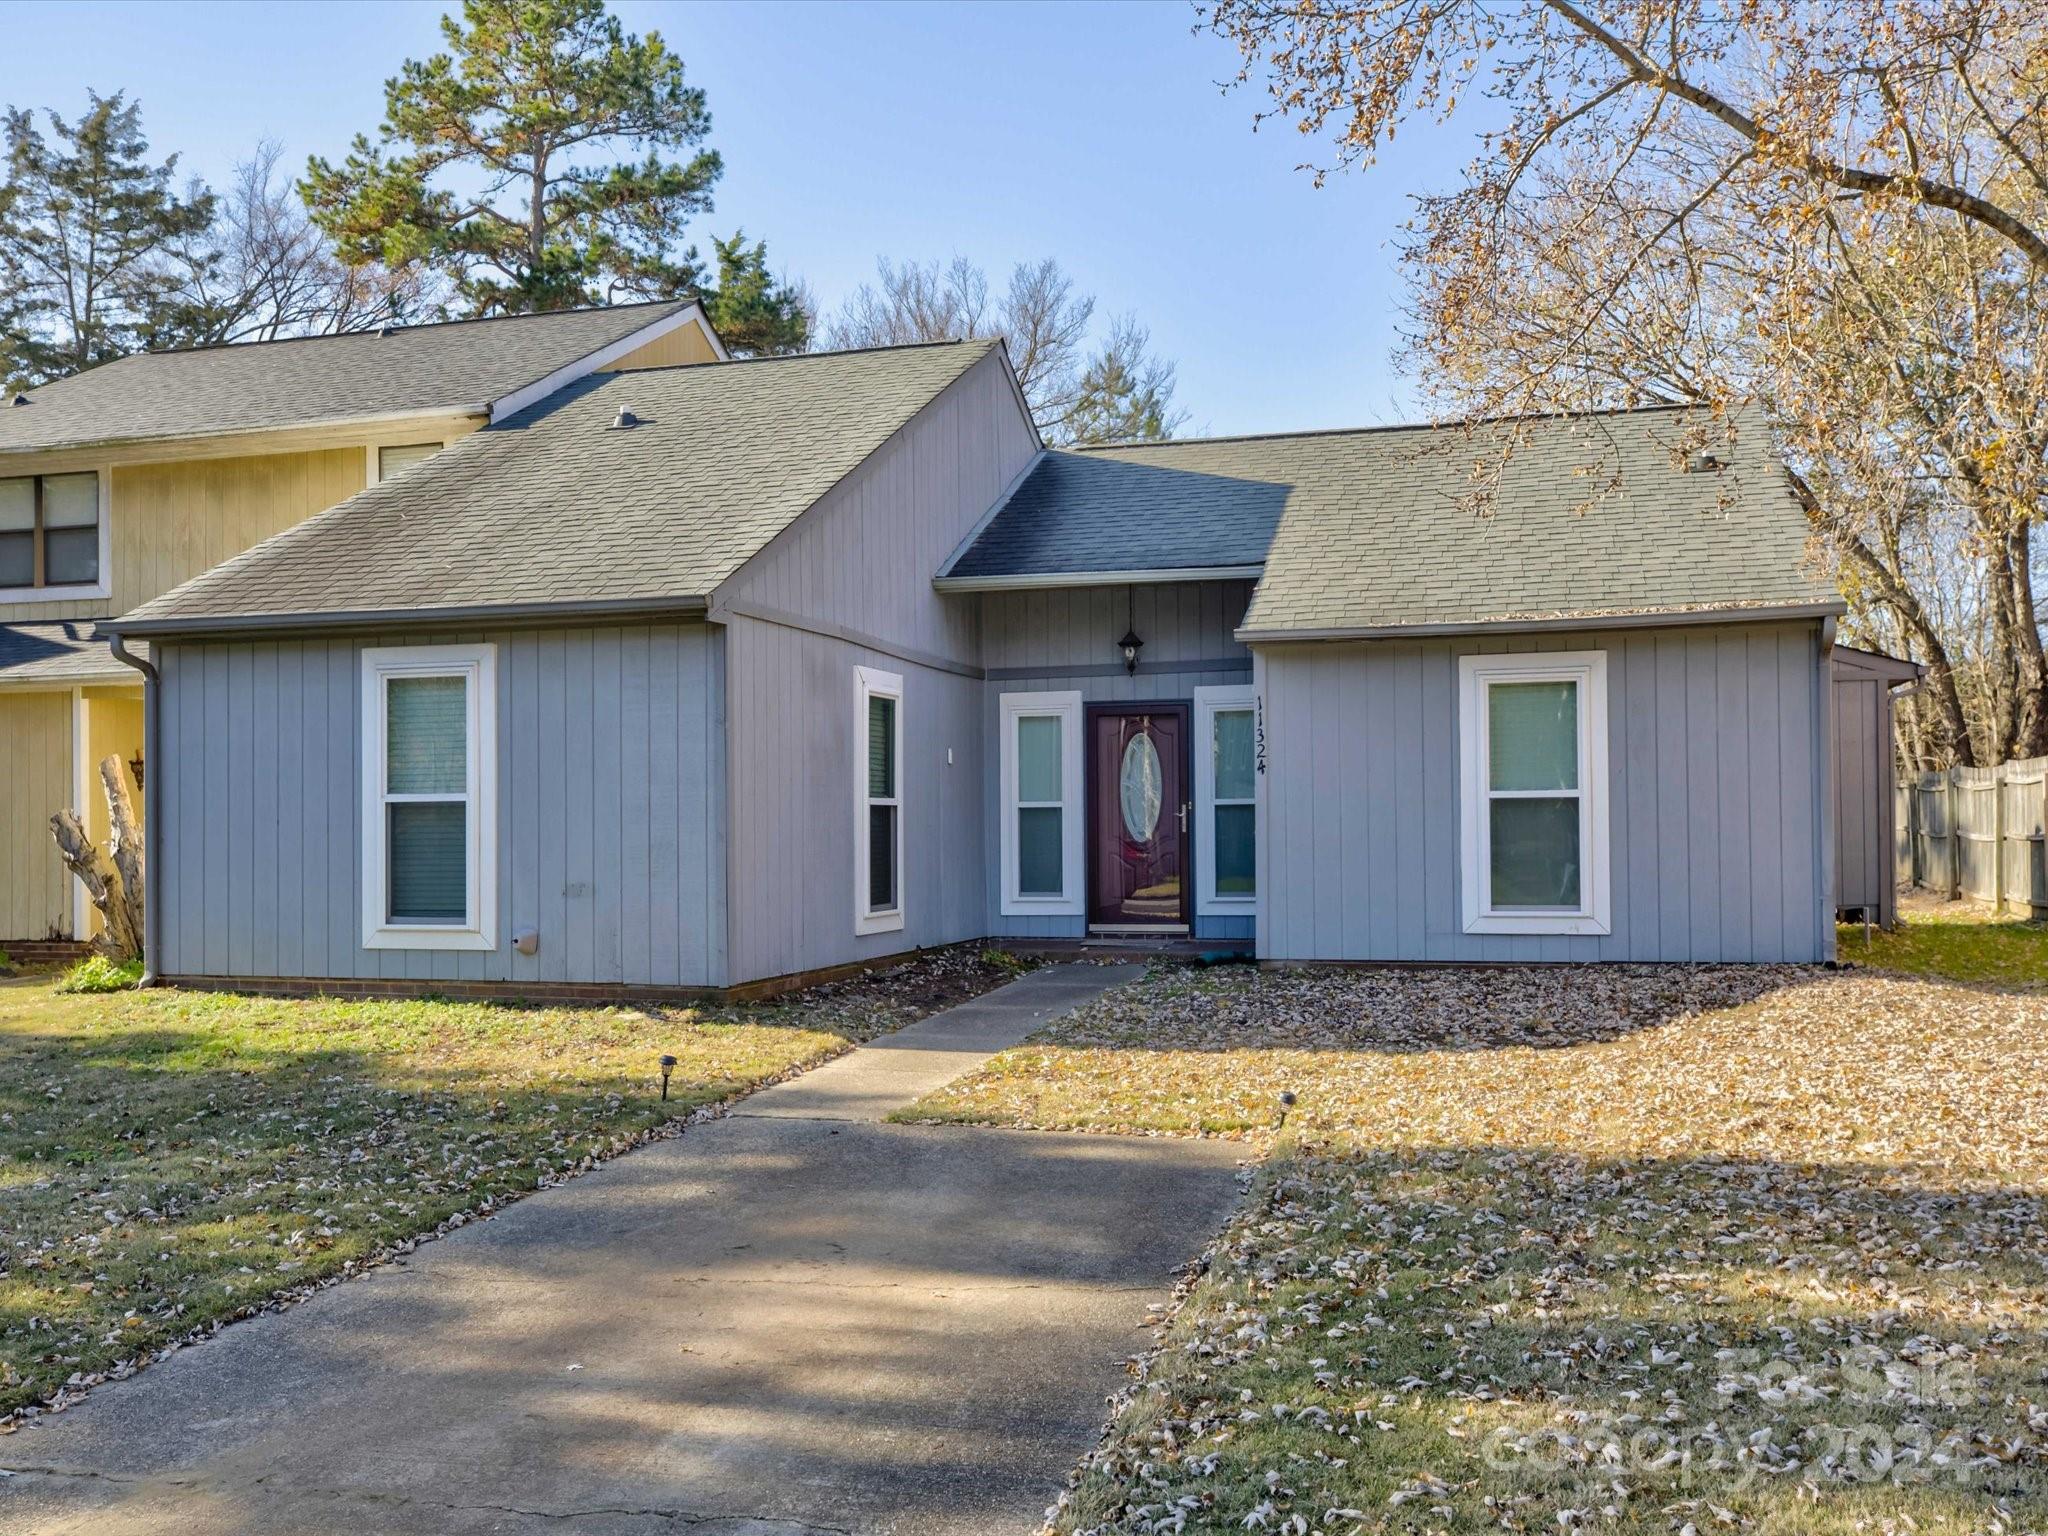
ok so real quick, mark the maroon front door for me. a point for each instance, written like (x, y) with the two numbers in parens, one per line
(1138, 816)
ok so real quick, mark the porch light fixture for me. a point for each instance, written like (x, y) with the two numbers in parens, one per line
(1130, 645)
(668, 1065)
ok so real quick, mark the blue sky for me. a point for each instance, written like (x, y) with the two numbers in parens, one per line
(1097, 134)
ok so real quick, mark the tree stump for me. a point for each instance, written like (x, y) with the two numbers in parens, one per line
(115, 886)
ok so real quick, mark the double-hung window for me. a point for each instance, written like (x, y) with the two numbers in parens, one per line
(1226, 849)
(429, 788)
(50, 533)
(1041, 800)
(878, 801)
(1534, 780)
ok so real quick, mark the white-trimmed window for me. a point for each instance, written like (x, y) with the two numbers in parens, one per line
(390, 460)
(1226, 836)
(1041, 797)
(1534, 787)
(430, 833)
(878, 801)
(53, 536)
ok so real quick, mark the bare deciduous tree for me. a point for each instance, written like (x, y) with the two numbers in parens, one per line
(1835, 211)
(1119, 392)
(264, 271)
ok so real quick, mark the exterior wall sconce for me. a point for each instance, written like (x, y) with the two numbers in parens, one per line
(1130, 645)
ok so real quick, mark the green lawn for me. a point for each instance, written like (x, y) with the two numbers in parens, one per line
(1650, 1250)
(1958, 940)
(170, 1160)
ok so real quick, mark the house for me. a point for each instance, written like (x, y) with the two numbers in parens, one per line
(120, 483)
(718, 676)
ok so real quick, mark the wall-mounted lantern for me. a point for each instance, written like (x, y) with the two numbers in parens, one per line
(1130, 645)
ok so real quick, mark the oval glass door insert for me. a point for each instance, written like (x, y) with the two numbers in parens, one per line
(1138, 788)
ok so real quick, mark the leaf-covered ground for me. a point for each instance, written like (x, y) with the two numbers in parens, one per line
(1632, 1250)
(172, 1160)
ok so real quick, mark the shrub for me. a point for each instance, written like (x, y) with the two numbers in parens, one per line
(99, 974)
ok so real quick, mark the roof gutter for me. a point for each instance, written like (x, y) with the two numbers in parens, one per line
(1136, 578)
(152, 798)
(469, 615)
(1666, 618)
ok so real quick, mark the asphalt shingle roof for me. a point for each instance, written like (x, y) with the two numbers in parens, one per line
(1374, 529)
(263, 386)
(59, 653)
(1089, 513)
(555, 506)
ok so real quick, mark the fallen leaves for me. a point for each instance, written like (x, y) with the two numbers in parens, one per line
(1618, 1249)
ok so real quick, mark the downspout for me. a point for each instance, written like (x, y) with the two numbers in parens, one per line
(152, 794)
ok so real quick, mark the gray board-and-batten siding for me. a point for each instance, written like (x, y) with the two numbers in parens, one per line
(611, 810)
(848, 585)
(1719, 751)
(1065, 640)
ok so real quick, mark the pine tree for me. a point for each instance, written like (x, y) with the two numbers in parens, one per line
(501, 166)
(86, 222)
(752, 311)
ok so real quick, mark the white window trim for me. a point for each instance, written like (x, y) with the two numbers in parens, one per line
(869, 683)
(86, 591)
(1588, 669)
(1070, 901)
(478, 666)
(1208, 702)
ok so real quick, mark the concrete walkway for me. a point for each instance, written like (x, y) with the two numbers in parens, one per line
(792, 1321)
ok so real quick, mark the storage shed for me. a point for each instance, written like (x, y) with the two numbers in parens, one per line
(1866, 770)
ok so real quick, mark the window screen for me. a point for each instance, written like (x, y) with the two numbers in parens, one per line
(426, 787)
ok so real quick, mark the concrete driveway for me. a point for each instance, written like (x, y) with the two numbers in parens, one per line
(791, 1321)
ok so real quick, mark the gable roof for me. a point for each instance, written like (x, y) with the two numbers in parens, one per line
(1854, 661)
(460, 367)
(556, 509)
(1369, 532)
(1081, 515)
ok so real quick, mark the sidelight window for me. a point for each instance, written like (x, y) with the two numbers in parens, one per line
(1041, 798)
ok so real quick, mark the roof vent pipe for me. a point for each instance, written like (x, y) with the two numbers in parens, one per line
(19, 400)
(625, 419)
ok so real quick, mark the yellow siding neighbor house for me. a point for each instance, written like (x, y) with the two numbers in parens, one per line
(193, 458)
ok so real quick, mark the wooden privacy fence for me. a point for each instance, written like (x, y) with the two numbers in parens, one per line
(1978, 832)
